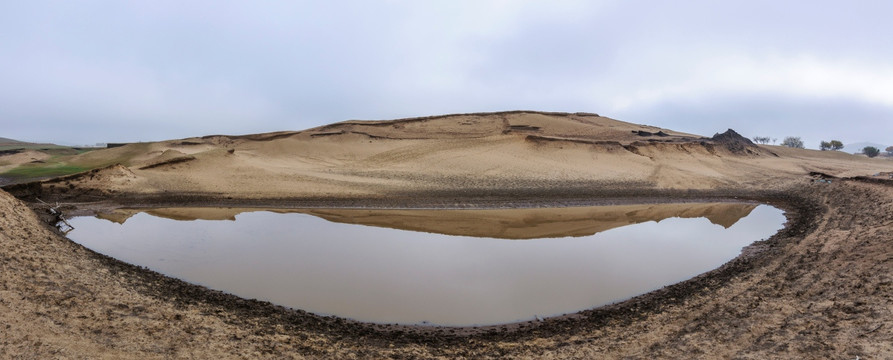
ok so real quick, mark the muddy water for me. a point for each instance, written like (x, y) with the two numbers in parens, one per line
(400, 266)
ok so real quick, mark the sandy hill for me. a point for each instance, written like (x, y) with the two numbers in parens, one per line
(505, 151)
(14, 153)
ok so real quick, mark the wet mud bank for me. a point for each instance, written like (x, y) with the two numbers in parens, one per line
(83, 202)
(821, 286)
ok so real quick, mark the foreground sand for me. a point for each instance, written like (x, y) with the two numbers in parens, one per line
(820, 288)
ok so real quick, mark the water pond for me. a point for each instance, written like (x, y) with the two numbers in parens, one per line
(443, 267)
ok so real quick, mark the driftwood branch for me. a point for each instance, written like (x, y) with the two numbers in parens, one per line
(57, 213)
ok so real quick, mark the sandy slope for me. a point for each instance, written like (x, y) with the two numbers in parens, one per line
(818, 289)
(14, 159)
(513, 150)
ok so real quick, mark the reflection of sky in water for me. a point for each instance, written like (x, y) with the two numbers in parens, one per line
(386, 275)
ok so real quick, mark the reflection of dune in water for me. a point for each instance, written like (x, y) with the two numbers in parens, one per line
(184, 214)
(529, 223)
(536, 223)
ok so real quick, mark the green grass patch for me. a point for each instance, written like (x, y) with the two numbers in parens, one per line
(69, 160)
(34, 147)
(50, 149)
(85, 150)
(37, 171)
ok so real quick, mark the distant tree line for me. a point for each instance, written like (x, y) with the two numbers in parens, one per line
(835, 145)
(790, 141)
(872, 151)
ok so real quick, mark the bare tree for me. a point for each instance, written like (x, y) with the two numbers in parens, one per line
(761, 139)
(889, 150)
(792, 142)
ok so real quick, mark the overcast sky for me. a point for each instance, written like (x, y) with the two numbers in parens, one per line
(81, 72)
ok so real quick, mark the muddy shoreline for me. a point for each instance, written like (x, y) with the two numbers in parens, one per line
(185, 293)
(434, 334)
(468, 199)
(276, 330)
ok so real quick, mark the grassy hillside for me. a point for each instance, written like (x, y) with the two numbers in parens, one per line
(22, 161)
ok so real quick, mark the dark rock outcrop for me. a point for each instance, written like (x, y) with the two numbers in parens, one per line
(735, 143)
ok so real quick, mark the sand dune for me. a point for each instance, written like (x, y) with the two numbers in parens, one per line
(472, 152)
(13, 159)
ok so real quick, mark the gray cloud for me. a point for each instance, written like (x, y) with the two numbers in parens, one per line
(82, 72)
